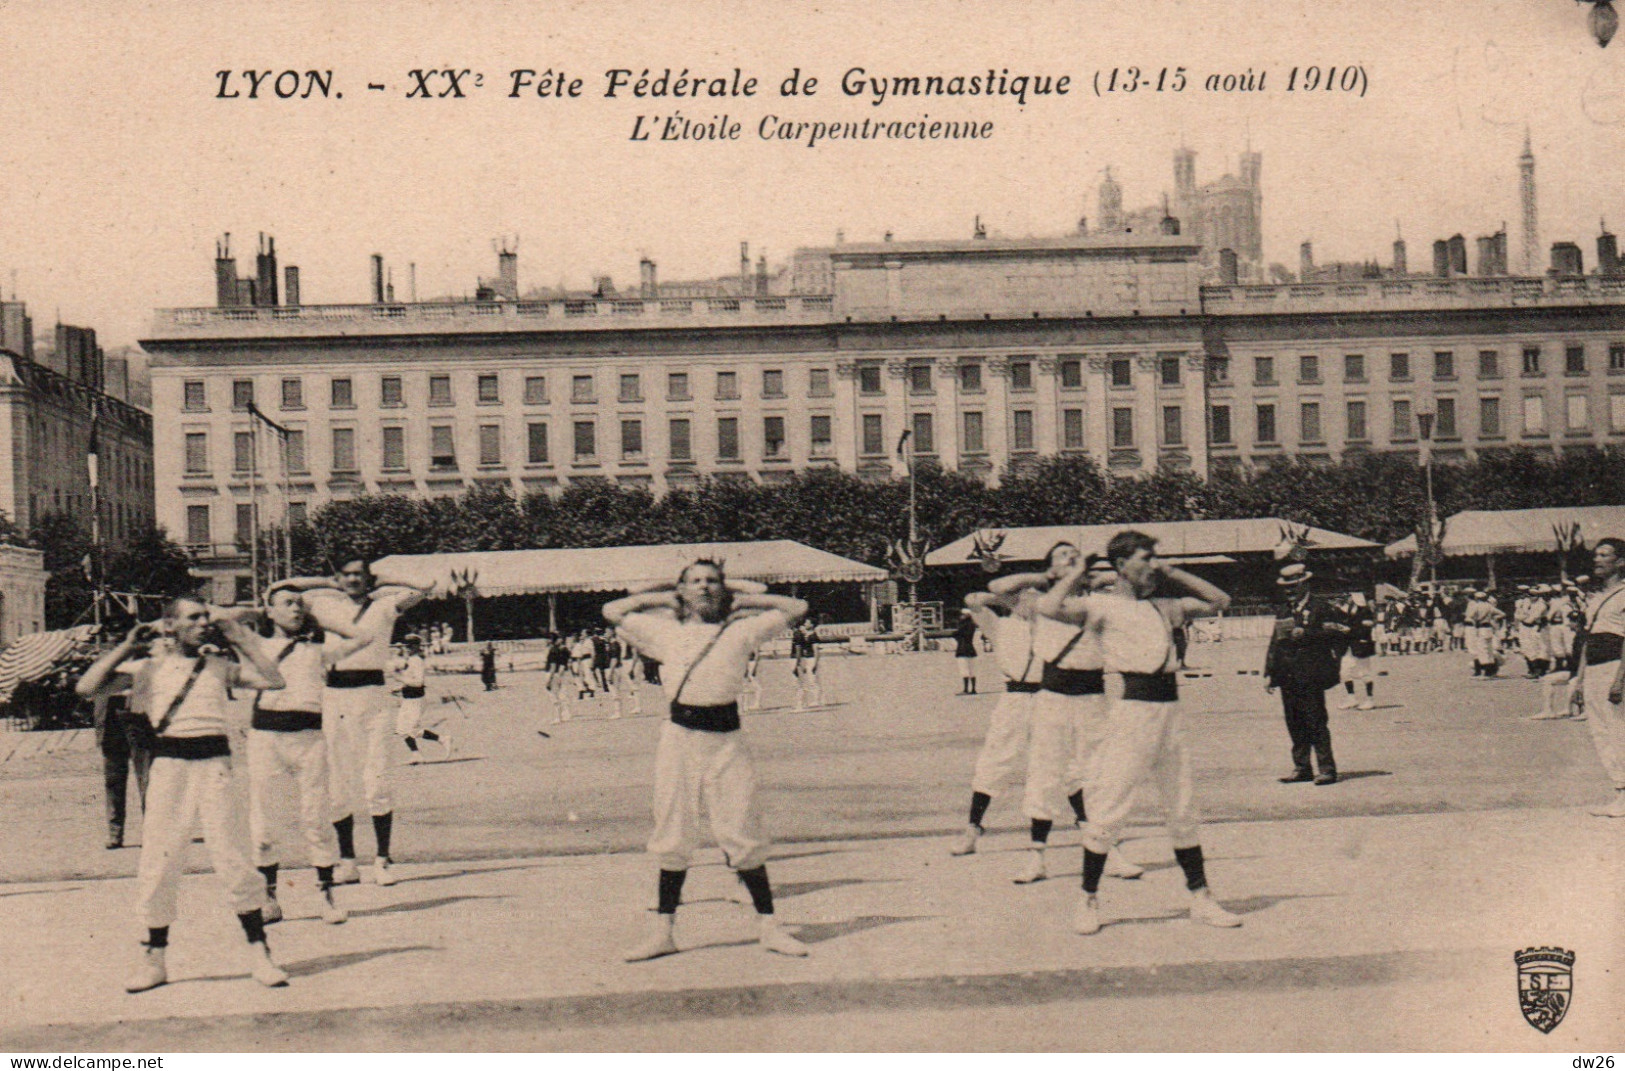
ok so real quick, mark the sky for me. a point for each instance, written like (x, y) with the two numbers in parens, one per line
(120, 166)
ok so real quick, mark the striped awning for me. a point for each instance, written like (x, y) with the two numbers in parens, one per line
(31, 657)
(1517, 531)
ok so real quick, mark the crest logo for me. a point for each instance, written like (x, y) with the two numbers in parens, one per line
(1545, 986)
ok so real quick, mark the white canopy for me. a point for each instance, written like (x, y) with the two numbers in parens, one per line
(1193, 542)
(1517, 531)
(533, 572)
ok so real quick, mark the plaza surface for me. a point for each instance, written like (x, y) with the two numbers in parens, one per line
(1380, 913)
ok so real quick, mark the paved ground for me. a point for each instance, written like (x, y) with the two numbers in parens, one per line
(1381, 913)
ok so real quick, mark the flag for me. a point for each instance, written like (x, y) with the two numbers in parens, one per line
(254, 411)
(92, 454)
(902, 442)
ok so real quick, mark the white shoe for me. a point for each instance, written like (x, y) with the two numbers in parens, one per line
(1086, 920)
(332, 913)
(1349, 704)
(658, 942)
(1208, 912)
(262, 969)
(1118, 867)
(1615, 809)
(1366, 704)
(346, 873)
(414, 759)
(776, 939)
(966, 844)
(150, 974)
(271, 912)
(381, 872)
(1033, 870)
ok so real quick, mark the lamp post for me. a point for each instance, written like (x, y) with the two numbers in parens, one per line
(1424, 426)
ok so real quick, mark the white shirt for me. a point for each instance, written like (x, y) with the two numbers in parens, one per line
(1134, 636)
(675, 644)
(304, 672)
(1051, 637)
(374, 619)
(204, 710)
(410, 671)
(1013, 648)
(1605, 611)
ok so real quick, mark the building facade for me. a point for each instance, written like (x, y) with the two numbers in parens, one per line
(991, 352)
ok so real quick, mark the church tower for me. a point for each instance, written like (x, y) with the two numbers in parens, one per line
(1111, 204)
(1531, 226)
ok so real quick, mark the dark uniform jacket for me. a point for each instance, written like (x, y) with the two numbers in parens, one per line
(1310, 658)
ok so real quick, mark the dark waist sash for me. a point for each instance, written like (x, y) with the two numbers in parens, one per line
(411, 691)
(355, 678)
(286, 721)
(720, 719)
(1151, 687)
(1074, 681)
(191, 747)
(1602, 647)
(1022, 686)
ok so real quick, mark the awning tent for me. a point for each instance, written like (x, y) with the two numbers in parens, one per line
(1190, 542)
(1517, 531)
(36, 655)
(599, 569)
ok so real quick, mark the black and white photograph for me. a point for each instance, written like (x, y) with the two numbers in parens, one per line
(887, 527)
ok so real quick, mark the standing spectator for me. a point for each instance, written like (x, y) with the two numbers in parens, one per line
(125, 739)
(1356, 666)
(965, 652)
(488, 666)
(1302, 662)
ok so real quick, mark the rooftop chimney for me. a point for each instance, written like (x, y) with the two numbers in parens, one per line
(1566, 259)
(1306, 261)
(1607, 253)
(377, 278)
(761, 273)
(225, 273)
(744, 268)
(1486, 254)
(648, 287)
(508, 270)
(1399, 257)
(265, 272)
(290, 288)
(1441, 258)
(1458, 255)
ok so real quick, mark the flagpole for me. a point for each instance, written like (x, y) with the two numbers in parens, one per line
(98, 563)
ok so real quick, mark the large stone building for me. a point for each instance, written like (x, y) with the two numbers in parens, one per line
(991, 352)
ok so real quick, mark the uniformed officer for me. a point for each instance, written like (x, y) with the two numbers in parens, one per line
(1303, 662)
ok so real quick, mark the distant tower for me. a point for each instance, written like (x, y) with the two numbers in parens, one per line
(1531, 226)
(1111, 204)
(1184, 175)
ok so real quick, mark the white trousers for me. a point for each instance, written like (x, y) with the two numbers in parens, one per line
(1141, 739)
(1607, 721)
(1000, 759)
(1066, 731)
(1532, 643)
(179, 794)
(277, 763)
(409, 717)
(357, 725)
(694, 769)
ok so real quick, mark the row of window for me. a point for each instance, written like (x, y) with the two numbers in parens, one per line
(290, 454)
(679, 386)
(1400, 366)
(1405, 424)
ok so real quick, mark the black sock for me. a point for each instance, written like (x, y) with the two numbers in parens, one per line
(1076, 800)
(430, 734)
(270, 880)
(1094, 866)
(158, 937)
(345, 828)
(1350, 686)
(324, 877)
(253, 926)
(671, 890)
(979, 803)
(1190, 861)
(382, 826)
(761, 893)
(1041, 828)
(412, 744)
(1368, 687)
(973, 686)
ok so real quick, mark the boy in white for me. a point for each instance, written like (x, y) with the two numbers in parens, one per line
(191, 772)
(355, 703)
(703, 634)
(1144, 733)
(285, 742)
(411, 670)
(1600, 678)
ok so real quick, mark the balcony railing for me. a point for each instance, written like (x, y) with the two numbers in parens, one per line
(1400, 295)
(446, 318)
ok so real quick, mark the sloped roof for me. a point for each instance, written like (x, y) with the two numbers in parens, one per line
(532, 572)
(1175, 539)
(1517, 531)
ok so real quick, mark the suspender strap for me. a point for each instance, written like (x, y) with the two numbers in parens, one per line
(280, 657)
(1073, 642)
(180, 696)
